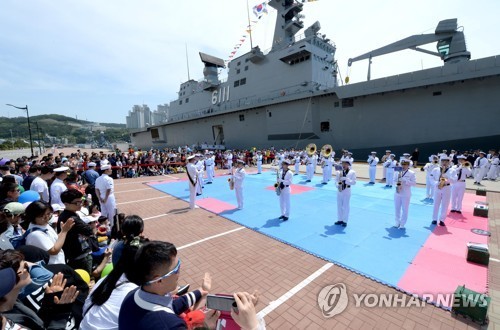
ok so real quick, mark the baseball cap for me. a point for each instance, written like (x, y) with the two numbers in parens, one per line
(14, 208)
(8, 276)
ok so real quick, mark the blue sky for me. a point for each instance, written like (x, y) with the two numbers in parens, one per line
(96, 59)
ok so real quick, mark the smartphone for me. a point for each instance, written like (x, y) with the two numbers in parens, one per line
(221, 303)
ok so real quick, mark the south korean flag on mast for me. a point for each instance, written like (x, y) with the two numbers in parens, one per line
(260, 9)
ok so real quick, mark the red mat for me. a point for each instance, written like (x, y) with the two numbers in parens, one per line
(214, 205)
(441, 265)
(296, 189)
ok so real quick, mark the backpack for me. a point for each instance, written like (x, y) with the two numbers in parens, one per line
(19, 241)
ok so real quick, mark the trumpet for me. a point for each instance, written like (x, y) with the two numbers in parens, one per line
(326, 150)
(311, 149)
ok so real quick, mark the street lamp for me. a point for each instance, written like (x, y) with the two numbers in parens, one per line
(29, 125)
(39, 143)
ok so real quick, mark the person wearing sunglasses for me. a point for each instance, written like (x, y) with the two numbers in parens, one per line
(151, 306)
(76, 246)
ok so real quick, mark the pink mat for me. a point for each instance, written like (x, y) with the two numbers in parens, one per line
(296, 189)
(441, 265)
(214, 205)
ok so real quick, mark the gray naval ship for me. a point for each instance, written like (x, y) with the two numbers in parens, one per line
(290, 96)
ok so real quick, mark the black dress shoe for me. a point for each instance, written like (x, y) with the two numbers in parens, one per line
(285, 218)
(324, 182)
(434, 222)
(308, 180)
(344, 224)
(339, 222)
(441, 223)
(453, 211)
(459, 212)
(198, 194)
(209, 182)
(282, 217)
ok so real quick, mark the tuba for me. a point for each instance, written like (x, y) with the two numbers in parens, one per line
(326, 150)
(467, 164)
(311, 149)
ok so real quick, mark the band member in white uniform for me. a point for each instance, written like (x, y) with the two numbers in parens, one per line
(372, 163)
(383, 161)
(327, 163)
(403, 180)
(199, 164)
(297, 163)
(442, 193)
(345, 180)
(481, 166)
(389, 165)
(229, 160)
(495, 164)
(309, 167)
(460, 172)
(238, 177)
(259, 162)
(192, 174)
(210, 164)
(430, 184)
(315, 162)
(285, 179)
(105, 191)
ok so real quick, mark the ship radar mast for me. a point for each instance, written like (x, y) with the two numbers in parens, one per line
(288, 21)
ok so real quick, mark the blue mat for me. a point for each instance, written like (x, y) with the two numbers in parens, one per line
(368, 245)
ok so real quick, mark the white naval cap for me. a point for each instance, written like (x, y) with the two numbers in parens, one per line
(91, 164)
(105, 167)
(461, 157)
(374, 152)
(405, 161)
(406, 154)
(444, 157)
(348, 161)
(387, 151)
(190, 157)
(286, 161)
(61, 169)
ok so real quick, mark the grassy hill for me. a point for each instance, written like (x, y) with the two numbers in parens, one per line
(58, 126)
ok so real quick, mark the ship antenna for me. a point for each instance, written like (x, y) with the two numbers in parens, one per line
(249, 26)
(187, 61)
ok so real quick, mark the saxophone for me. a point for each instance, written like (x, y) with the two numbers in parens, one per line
(277, 184)
(442, 180)
(340, 185)
(399, 185)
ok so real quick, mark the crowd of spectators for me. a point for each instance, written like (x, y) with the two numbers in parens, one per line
(64, 265)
